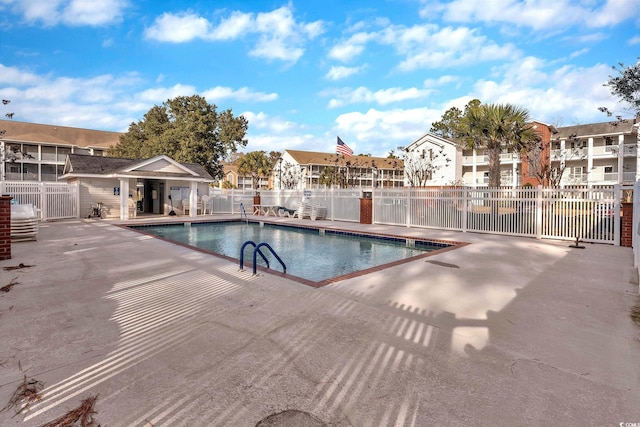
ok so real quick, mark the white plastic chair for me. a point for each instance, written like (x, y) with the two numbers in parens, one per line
(206, 205)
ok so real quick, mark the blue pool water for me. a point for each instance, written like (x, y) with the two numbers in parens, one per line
(308, 253)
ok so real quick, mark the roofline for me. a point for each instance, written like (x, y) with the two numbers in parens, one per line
(122, 175)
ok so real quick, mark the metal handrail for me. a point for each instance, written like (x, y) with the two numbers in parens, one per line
(252, 243)
(244, 212)
(257, 250)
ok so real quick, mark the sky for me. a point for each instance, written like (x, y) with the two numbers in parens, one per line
(376, 73)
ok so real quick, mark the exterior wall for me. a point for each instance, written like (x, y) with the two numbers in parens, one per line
(94, 190)
(528, 175)
(603, 159)
(36, 161)
(447, 170)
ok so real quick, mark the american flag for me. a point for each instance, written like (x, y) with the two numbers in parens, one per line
(342, 148)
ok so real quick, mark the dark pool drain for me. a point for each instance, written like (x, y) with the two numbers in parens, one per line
(291, 418)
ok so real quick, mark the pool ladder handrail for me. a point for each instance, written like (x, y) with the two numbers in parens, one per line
(257, 251)
(244, 213)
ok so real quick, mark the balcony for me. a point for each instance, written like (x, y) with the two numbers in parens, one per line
(483, 159)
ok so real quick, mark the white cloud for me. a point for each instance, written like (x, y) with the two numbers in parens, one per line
(178, 28)
(161, 94)
(70, 12)
(427, 46)
(634, 40)
(549, 94)
(272, 133)
(233, 27)
(380, 97)
(244, 94)
(351, 48)
(377, 131)
(341, 72)
(536, 14)
(279, 35)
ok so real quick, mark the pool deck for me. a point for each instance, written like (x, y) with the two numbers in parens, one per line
(503, 331)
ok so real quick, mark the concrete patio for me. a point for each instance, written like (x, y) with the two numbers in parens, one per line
(504, 331)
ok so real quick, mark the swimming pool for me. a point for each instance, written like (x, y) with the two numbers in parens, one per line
(316, 256)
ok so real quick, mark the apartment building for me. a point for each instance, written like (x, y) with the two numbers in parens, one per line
(37, 152)
(309, 169)
(591, 154)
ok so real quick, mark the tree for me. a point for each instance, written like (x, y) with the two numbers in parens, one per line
(497, 127)
(255, 164)
(187, 129)
(420, 165)
(548, 166)
(448, 126)
(626, 86)
(289, 175)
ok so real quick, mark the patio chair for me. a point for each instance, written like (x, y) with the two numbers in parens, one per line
(206, 205)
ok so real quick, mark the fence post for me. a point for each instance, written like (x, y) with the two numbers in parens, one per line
(408, 207)
(539, 212)
(465, 210)
(43, 202)
(617, 193)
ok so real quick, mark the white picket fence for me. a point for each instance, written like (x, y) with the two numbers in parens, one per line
(590, 214)
(53, 200)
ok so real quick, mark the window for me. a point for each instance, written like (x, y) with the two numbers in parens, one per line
(48, 153)
(30, 152)
(62, 153)
(30, 172)
(48, 172)
(608, 169)
(77, 150)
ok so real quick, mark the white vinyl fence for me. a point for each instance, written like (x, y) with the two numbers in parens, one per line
(590, 214)
(53, 200)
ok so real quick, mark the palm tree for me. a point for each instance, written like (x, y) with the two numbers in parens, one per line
(255, 164)
(497, 127)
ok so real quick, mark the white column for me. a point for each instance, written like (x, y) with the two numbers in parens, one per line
(637, 156)
(620, 159)
(124, 198)
(514, 170)
(193, 200)
(474, 167)
(589, 160)
(563, 159)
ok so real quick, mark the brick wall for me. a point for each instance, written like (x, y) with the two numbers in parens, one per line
(626, 237)
(366, 211)
(5, 227)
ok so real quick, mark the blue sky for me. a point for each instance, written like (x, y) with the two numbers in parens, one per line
(376, 73)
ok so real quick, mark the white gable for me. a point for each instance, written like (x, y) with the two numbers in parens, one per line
(161, 165)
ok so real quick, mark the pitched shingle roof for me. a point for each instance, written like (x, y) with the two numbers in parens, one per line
(58, 135)
(593, 129)
(319, 158)
(82, 164)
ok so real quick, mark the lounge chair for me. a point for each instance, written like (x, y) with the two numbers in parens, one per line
(303, 210)
(24, 222)
(318, 212)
